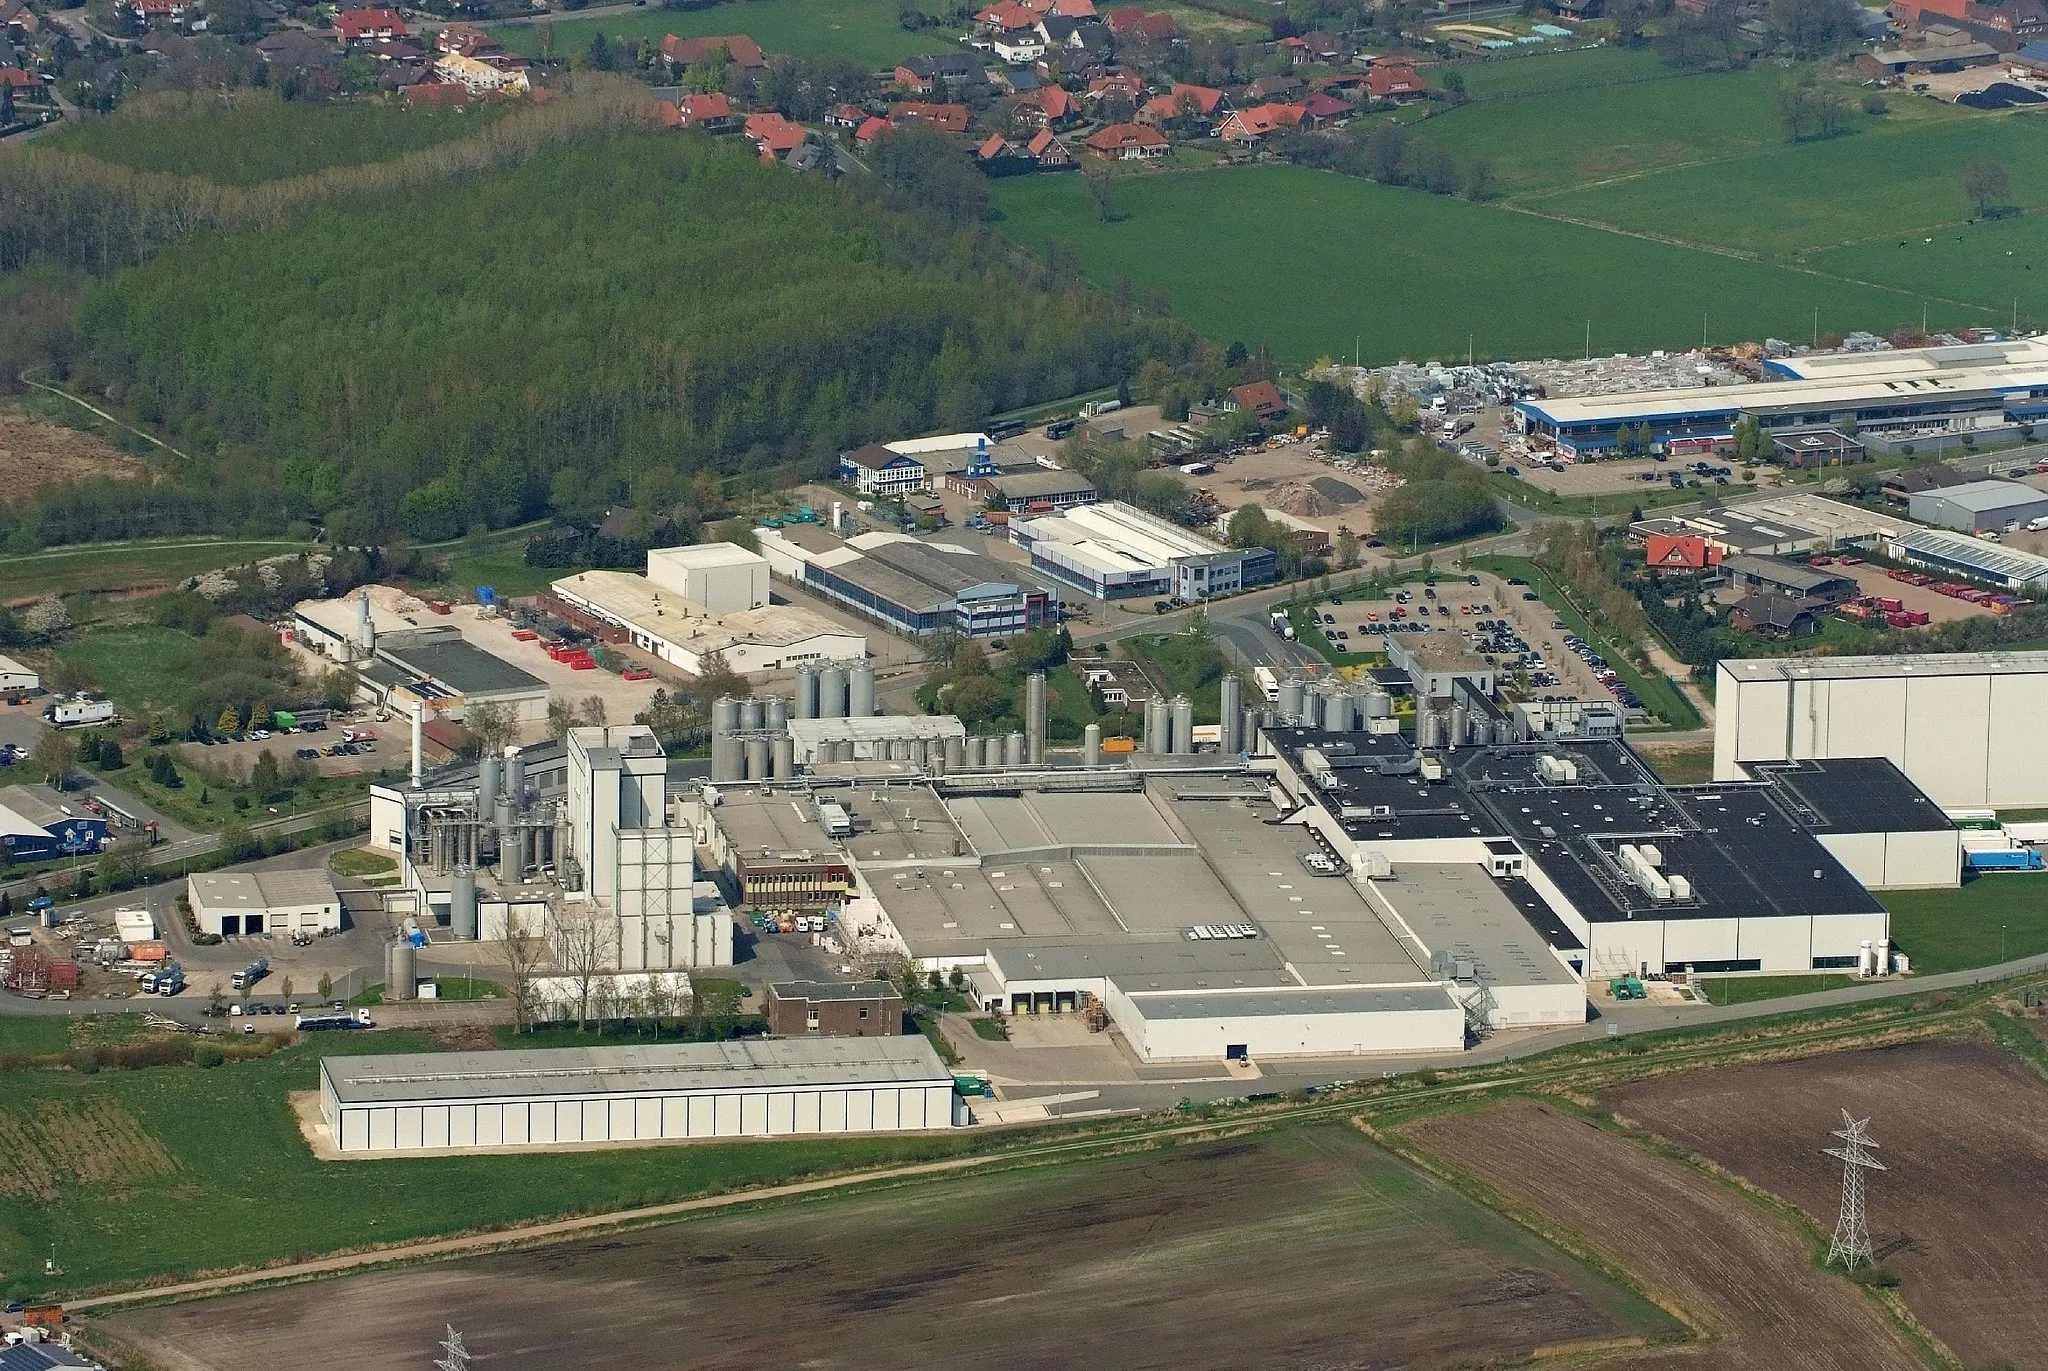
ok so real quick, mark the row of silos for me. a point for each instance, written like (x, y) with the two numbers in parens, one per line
(835, 690)
(1169, 726)
(750, 740)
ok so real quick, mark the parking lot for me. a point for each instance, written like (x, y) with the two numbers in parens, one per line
(1492, 616)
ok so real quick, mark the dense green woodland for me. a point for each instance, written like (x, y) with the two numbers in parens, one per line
(616, 305)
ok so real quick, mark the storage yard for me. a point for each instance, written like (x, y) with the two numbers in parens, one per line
(1305, 1247)
(1960, 1129)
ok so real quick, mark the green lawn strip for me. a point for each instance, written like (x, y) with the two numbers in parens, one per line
(928, 1025)
(1071, 405)
(1746, 989)
(1875, 187)
(1510, 77)
(505, 572)
(1651, 496)
(1655, 690)
(1991, 918)
(126, 566)
(361, 862)
(1479, 276)
(1180, 658)
(863, 31)
(275, 1201)
(988, 1030)
(208, 805)
(467, 988)
(1310, 635)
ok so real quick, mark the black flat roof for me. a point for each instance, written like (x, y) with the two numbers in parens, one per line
(1853, 795)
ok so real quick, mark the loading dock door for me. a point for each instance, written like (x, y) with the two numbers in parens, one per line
(1237, 1052)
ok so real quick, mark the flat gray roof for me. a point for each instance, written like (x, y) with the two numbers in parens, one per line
(1867, 668)
(1159, 962)
(1983, 495)
(668, 1068)
(1456, 907)
(1275, 1004)
(455, 663)
(262, 889)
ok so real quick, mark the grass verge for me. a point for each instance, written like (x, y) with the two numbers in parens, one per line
(1989, 920)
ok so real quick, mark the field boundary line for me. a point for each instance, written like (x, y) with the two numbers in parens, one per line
(91, 408)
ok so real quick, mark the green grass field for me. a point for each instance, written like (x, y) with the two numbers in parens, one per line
(1536, 73)
(864, 31)
(131, 663)
(125, 566)
(504, 572)
(1656, 691)
(189, 1170)
(1748, 989)
(2001, 263)
(1954, 930)
(1412, 275)
(260, 137)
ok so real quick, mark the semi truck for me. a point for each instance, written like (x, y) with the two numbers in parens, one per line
(252, 973)
(78, 711)
(1268, 683)
(333, 1020)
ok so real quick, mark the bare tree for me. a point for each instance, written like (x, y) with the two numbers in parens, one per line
(584, 946)
(522, 953)
(1987, 185)
(608, 1003)
(561, 718)
(492, 726)
(591, 713)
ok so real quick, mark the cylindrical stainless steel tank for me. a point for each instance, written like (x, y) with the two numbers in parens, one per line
(515, 781)
(1091, 745)
(1248, 730)
(956, 753)
(832, 693)
(1183, 724)
(782, 757)
(462, 904)
(401, 971)
(725, 715)
(1013, 750)
(490, 773)
(899, 749)
(1230, 709)
(1291, 694)
(860, 687)
(1378, 704)
(757, 759)
(1155, 741)
(806, 692)
(920, 753)
(1458, 731)
(777, 718)
(1034, 718)
(753, 716)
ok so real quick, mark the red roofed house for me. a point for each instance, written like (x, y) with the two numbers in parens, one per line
(870, 130)
(469, 41)
(367, 26)
(1133, 22)
(774, 135)
(1072, 9)
(845, 117)
(1250, 127)
(945, 118)
(1393, 81)
(1007, 17)
(1322, 108)
(1048, 107)
(709, 111)
(1127, 143)
(684, 53)
(1261, 398)
(436, 95)
(1123, 87)
(1681, 552)
(19, 79)
(1183, 102)
(1050, 151)
(995, 149)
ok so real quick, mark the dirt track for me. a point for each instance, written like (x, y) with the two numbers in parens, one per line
(1963, 1131)
(1741, 1276)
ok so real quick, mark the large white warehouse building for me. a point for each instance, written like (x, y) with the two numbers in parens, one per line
(670, 1093)
(1964, 726)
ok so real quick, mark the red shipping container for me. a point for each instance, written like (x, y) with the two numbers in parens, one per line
(1900, 575)
(523, 635)
(1899, 620)
(1890, 602)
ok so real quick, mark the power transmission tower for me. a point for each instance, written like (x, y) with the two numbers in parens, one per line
(458, 1355)
(1851, 1246)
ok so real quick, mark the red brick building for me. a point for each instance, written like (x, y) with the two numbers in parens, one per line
(819, 1009)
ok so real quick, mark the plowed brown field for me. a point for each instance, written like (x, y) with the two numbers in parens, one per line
(1740, 1275)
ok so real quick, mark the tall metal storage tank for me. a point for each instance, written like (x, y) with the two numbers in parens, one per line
(725, 715)
(401, 971)
(782, 757)
(1378, 704)
(515, 781)
(920, 753)
(1034, 718)
(832, 693)
(1230, 710)
(1157, 744)
(1013, 750)
(806, 692)
(725, 758)
(1337, 708)
(753, 716)
(1291, 694)
(778, 714)
(1091, 745)
(1183, 724)
(977, 752)
(757, 759)
(899, 749)
(956, 753)
(860, 684)
(489, 778)
(462, 904)
(1248, 730)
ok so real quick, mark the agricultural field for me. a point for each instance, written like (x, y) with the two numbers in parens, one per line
(1411, 275)
(1303, 1247)
(863, 31)
(260, 137)
(37, 451)
(222, 1143)
(1740, 1275)
(1960, 1128)
(125, 566)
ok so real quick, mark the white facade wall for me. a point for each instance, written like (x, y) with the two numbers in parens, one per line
(652, 1117)
(722, 577)
(15, 676)
(1265, 1034)
(1900, 861)
(1784, 943)
(1536, 1006)
(308, 917)
(1963, 737)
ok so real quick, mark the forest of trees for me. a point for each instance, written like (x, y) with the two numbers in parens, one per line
(576, 315)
